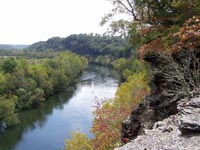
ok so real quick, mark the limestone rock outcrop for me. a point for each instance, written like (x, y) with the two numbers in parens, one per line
(173, 77)
(190, 116)
(177, 132)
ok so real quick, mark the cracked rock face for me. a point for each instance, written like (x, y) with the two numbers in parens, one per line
(177, 132)
(170, 81)
(190, 116)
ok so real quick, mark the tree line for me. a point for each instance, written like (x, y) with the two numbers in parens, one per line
(25, 83)
(86, 44)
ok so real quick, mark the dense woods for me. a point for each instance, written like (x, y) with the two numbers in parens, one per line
(97, 48)
(27, 83)
(86, 44)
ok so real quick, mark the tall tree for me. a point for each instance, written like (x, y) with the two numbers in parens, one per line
(153, 22)
(155, 12)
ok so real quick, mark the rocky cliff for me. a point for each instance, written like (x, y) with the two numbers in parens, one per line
(174, 77)
(177, 132)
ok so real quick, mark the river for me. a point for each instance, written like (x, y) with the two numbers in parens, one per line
(47, 127)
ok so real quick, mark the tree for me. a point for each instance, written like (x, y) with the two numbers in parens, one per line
(7, 112)
(9, 65)
(37, 96)
(40, 75)
(120, 64)
(151, 19)
(2, 83)
(79, 141)
(155, 12)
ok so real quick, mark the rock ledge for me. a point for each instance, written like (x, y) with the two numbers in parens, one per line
(177, 132)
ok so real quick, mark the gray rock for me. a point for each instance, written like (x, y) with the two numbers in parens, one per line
(170, 81)
(190, 116)
(156, 139)
(168, 135)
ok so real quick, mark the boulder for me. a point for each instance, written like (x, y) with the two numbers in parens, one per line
(190, 116)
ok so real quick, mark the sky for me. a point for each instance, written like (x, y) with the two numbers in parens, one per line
(29, 21)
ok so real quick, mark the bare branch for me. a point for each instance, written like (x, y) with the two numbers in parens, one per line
(128, 8)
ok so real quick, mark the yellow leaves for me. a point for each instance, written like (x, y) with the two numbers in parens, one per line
(109, 115)
(38, 71)
(131, 92)
(79, 141)
(2, 78)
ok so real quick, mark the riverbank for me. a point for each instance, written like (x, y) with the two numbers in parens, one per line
(47, 126)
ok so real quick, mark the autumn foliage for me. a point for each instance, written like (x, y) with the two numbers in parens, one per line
(187, 37)
(78, 141)
(110, 113)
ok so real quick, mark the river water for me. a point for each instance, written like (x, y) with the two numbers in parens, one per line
(47, 127)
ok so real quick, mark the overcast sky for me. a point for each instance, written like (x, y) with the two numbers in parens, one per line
(29, 21)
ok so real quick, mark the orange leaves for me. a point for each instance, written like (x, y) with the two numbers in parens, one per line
(189, 35)
(188, 38)
(109, 114)
(155, 45)
(105, 126)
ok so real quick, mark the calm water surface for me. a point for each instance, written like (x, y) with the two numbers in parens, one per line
(47, 127)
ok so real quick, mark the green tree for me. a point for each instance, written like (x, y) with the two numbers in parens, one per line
(7, 111)
(2, 83)
(37, 96)
(154, 12)
(40, 75)
(9, 65)
(120, 64)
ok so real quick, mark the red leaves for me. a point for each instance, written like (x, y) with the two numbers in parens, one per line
(106, 125)
(110, 113)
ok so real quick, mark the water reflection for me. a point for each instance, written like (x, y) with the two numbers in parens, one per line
(31, 119)
(46, 128)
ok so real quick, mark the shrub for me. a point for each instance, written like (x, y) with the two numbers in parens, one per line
(110, 113)
(78, 141)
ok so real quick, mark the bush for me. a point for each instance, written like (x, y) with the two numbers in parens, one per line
(110, 113)
(78, 141)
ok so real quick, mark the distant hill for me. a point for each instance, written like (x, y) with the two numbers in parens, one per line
(85, 44)
(11, 46)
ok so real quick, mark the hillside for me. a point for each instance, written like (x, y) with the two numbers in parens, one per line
(85, 44)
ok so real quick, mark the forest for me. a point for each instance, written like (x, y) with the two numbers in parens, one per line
(86, 44)
(25, 83)
(96, 48)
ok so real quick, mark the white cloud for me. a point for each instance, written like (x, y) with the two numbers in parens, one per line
(28, 21)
